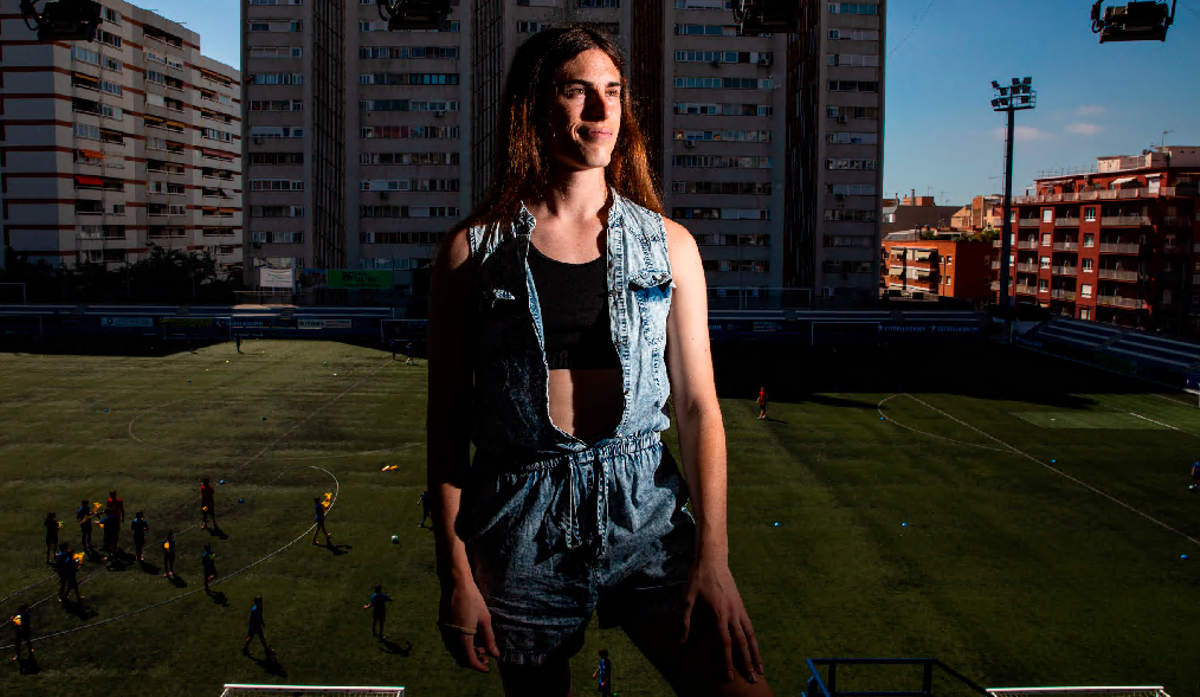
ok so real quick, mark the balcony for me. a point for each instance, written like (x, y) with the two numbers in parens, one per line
(1118, 301)
(1177, 221)
(1060, 294)
(996, 285)
(1025, 289)
(1066, 246)
(1066, 222)
(995, 265)
(1028, 222)
(1027, 244)
(1124, 220)
(1115, 275)
(1027, 268)
(1119, 248)
(1064, 270)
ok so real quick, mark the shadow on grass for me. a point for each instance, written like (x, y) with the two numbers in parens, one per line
(270, 665)
(390, 646)
(149, 568)
(337, 550)
(28, 665)
(78, 609)
(178, 581)
(217, 532)
(218, 598)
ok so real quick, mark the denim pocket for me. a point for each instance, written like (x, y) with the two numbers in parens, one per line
(652, 291)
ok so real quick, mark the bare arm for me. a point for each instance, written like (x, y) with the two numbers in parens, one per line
(702, 449)
(448, 449)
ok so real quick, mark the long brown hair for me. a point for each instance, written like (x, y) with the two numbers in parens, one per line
(520, 159)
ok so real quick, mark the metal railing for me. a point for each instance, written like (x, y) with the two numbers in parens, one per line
(1027, 244)
(1066, 222)
(1118, 275)
(1119, 248)
(1028, 222)
(1177, 221)
(1027, 268)
(1025, 289)
(1118, 301)
(1116, 220)
(996, 284)
(1064, 270)
(1066, 246)
(1059, 294)
(819, 686)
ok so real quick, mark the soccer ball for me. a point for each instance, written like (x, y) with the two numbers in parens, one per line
(395, 539)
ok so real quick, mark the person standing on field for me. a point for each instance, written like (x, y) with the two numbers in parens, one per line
(762, 403)
(208, 506)
(567, 310)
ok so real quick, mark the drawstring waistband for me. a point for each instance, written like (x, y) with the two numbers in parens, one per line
(566, 466)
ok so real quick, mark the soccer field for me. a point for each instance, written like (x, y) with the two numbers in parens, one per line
(1019, 517)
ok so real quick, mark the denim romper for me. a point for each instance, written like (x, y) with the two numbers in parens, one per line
(556, 527)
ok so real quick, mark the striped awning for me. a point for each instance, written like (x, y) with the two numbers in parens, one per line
(86, 180)
(93, 154)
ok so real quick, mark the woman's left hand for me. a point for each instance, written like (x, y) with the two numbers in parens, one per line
(712, 587)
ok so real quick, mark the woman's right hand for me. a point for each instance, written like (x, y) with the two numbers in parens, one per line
(466, 626)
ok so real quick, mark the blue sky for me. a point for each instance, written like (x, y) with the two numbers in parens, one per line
(942, 137)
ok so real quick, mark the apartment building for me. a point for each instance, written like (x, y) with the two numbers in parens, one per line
(834, 166)
(947, 268)
(1115, 243)
(420, 108)
(110, 147)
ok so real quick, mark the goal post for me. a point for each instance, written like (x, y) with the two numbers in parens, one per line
(237, 690)
(1101, 691)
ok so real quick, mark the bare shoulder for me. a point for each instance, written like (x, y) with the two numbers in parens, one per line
(454, 249)
(681, 246)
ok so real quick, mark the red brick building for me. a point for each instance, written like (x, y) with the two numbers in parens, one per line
(1117, 244)
(952, 268)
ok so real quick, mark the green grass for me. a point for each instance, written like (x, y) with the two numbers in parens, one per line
(1007, 570)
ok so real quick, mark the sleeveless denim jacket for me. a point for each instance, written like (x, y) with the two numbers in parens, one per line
(510, 407)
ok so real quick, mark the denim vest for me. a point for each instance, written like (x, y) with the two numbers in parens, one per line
(511, 408)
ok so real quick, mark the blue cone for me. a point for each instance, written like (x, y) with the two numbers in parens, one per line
(776, 523)
(241, 500)
(264, 418)
(105, 411)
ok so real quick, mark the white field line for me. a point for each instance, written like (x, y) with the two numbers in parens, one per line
(1061, 473)
(879, 408)
(333, 500)
(1146, 418)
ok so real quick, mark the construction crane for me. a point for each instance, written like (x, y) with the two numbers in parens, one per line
(1134, 21)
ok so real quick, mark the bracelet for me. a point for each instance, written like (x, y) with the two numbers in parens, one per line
(455, 627)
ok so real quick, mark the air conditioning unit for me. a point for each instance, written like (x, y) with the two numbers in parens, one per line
(689, 143)
(843, 118)
(439, 113)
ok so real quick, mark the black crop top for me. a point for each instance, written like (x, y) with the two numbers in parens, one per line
(574, 301)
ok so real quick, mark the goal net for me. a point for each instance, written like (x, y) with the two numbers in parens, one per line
(1110, 691)
(310, 691)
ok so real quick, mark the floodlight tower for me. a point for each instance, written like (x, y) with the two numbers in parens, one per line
(1016, 97)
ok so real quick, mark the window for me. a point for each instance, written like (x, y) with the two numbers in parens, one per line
(854, 34)
(111, 64)
(1047, 215)
(85, 55)
(1043, 285)
(276, 79)
(401, 52)
(85, 130)
(853, 60)
(1089, 240)
(852, 86)
(1089, 214)
(1046, 239)
(1086, 290)
(110, 39)
(1088, 266)
(408, 79)
(947, 280)
(156, 77)
(853, 8)
(949, 259)
(1044, 262)
(111, 16)
(707, 30)
(118, 209)
(1085, 313)
(851, 138)
(113, 88)
(848, 163)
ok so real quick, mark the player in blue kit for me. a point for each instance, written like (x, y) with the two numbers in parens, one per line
(378, 606)
(256, 624)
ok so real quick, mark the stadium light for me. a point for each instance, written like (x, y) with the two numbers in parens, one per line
(1002, 101)
(414, 14)
(62, 20)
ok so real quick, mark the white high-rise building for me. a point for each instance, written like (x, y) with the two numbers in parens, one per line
(112, 146)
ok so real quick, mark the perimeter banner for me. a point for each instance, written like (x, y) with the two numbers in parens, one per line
(352, 279)
(275, 278)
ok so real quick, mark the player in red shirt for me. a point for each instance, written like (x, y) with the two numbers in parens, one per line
(116, 508)
(762, 403)
(208, 507)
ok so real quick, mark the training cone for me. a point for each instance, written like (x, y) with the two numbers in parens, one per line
(395, 539)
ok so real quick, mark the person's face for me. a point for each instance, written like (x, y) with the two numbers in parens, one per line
(585, 112)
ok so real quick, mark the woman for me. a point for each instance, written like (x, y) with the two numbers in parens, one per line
(564, 312)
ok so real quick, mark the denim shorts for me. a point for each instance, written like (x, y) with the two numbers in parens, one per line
(602, 529)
